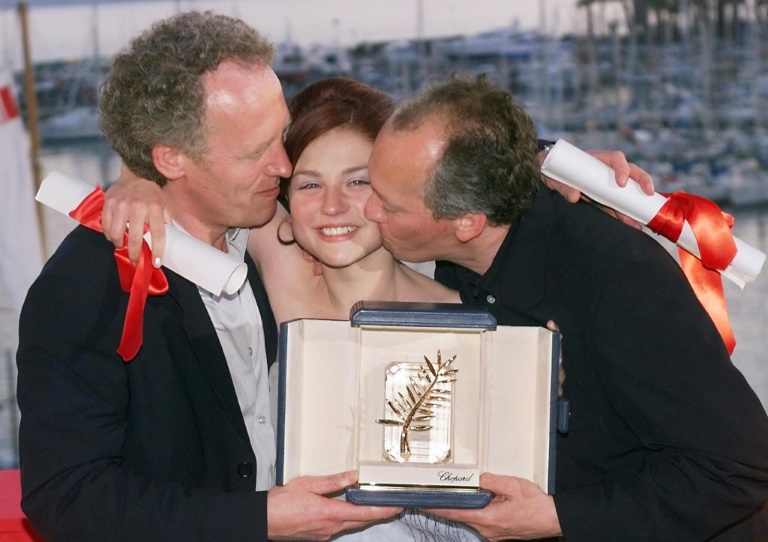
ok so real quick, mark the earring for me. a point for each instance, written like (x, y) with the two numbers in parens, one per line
(280, 238)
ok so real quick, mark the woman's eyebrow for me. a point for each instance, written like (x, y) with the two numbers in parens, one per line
(355, 169)
(305, 172)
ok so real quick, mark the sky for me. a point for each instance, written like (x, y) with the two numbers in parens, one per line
(76, 32)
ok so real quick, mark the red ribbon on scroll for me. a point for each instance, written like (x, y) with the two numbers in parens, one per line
(712, 229)
(138, 281)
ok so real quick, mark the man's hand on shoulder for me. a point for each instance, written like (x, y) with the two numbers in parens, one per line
(317, 269)
(136, 201)
(519, 510)
(301, 509)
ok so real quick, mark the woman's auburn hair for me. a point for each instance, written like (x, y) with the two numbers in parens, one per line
(337, 102)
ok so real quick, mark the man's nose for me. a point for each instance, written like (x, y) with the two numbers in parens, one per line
(282, 166)
(373, 209)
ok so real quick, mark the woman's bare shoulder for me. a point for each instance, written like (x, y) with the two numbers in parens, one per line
(263, 241)
(429, 290)
(287, 276)
(298, 299)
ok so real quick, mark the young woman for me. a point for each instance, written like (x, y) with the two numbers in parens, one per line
(335, 122)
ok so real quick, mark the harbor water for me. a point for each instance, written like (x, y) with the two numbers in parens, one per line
(94, 162)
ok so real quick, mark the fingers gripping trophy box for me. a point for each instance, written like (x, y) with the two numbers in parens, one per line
(420, 399)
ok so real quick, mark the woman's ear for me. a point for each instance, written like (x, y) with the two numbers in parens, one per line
(169, 161)
(469, 226)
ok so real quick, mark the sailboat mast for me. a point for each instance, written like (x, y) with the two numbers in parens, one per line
(95, 33)
(32, 115)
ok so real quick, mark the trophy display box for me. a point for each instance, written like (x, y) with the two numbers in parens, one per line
(420, 398)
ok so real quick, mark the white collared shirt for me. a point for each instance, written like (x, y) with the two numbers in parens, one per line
(238, 325)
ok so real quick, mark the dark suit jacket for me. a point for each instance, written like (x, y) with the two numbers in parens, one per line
(667, 440)
(154, 449)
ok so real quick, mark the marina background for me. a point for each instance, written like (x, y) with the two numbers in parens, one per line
(77, 28)
(683, 92)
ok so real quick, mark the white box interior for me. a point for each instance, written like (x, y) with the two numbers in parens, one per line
(334, 376)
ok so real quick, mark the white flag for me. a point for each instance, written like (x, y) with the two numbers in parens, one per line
(20, 243)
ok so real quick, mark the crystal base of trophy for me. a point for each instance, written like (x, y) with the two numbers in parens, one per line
(419, 399)
(420, 411)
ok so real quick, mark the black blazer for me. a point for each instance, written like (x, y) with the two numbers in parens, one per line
(667, 441)
(153, 449)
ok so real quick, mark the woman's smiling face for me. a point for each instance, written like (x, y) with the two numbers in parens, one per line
(328, 192)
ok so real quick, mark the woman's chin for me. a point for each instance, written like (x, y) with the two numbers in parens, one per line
(339, 261)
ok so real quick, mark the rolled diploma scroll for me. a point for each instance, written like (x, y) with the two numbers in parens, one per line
(574, 167)
(209, 268)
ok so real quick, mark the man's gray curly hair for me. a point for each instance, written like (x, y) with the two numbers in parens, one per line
(154, 91)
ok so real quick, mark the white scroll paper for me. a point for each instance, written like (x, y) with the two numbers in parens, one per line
(209, 268)
(574, 167)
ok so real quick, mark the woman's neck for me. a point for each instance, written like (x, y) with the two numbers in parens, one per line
(378, 276)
